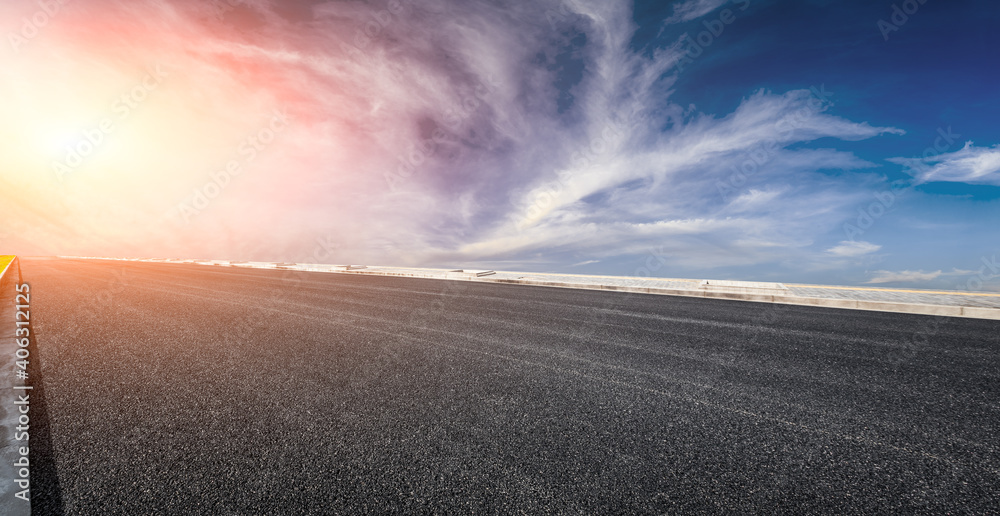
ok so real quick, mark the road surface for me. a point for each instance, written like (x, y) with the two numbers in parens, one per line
(191, 389)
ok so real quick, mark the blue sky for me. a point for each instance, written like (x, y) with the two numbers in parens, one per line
(929, 75)
(837, 142)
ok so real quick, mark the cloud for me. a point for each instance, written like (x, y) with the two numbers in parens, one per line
(692, 9)
(437, 136)
(915, 276)
(903, 276)
(650, 188)
(974, 165)
(851, 249)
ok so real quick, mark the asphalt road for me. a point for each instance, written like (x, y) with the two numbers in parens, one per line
(187, 389)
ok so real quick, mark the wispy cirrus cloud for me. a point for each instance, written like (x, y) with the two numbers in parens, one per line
(446, 133)
(693, 9)
(971, 164)
(659, 187)
(852, 249)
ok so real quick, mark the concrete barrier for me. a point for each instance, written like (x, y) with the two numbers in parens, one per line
(468, 273)
(761, 292)
(743, 287)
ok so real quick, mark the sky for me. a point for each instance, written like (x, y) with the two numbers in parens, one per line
(802, 141)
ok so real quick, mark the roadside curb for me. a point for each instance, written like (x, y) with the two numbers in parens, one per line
(9, 414)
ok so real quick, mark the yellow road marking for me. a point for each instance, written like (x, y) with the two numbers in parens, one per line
(5, 261)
